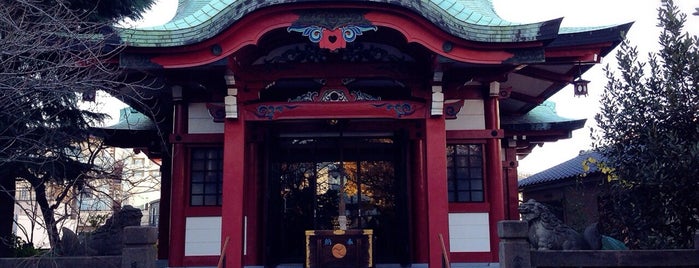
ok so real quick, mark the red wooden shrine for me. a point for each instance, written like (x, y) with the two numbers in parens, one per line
(401, 117)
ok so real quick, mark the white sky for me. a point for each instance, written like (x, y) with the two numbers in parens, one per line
(643, 34)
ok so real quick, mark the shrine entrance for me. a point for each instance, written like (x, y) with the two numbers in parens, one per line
(312, 178)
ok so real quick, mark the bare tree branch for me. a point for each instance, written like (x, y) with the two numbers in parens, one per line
(50, 57)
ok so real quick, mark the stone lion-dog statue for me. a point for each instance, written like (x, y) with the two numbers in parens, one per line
(546, 232)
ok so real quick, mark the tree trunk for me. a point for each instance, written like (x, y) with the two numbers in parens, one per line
(7, 209)
(47, 214)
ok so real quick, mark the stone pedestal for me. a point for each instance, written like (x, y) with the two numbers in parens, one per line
(514, 249)
(139, 247)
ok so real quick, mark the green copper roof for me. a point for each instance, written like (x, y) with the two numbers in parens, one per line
(132, 120)
(473, 20)
(543, 117)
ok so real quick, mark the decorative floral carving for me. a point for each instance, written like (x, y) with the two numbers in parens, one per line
(356, 52)
(401, 109)
(331, 29)
(361, 96)
(306, 97)
(268, 111)
(334, 95)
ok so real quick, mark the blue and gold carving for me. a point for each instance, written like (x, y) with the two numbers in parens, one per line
(350, 32)
(306, 97)
(331, 29)
(401, 109)
(361, 96)
(334, 95)
(268, 111)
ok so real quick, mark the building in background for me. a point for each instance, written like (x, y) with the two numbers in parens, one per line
(571, 191)
(133, 179)
(140, 182)
(28, 222)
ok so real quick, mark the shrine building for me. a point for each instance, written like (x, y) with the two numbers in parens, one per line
(384, 132)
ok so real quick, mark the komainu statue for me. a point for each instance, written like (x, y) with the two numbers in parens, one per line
(106, 240)
(546, 232)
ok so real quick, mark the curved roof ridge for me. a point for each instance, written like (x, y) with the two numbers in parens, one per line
(186, 8)
(587, 35)
(487, 9)
(480, 15)
(472, 20)
(189, 14)
(477, 12)
(580, 29)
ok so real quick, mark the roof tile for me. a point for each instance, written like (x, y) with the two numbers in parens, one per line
(456, 8)
(568, 169)
(446, 5)
(473, 20)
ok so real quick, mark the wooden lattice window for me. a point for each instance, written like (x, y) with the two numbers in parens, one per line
(465, 172)
(206, 176)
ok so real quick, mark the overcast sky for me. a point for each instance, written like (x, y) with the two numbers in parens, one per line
(576, 13)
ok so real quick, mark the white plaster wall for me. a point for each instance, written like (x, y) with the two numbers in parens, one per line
(200, 121)
(469, 232)
(202, 236)
(471, 116)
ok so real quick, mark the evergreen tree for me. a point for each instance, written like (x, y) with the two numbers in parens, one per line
(649, 134)
(52, 53)
(108, 10)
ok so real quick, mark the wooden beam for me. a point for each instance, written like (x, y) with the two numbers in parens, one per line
(475, 134)
(545, 74)
(196, 138)
(330, 110)
(526, 98)
(268, 73)
(473, 92)
(585, 54)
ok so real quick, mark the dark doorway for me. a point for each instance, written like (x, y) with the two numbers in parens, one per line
(314, 178)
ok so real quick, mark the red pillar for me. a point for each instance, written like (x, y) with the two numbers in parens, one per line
(419, 193)
(510, 170)
(251, 207)
(495, 181)
(178, 184)
(164, 207)
(232, 216)
(436, 190)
